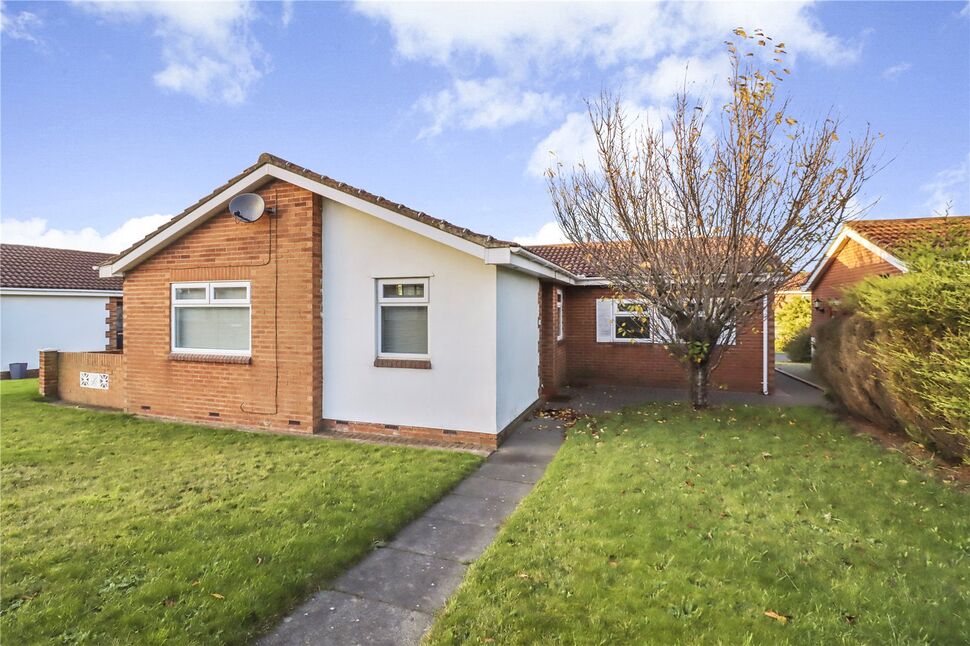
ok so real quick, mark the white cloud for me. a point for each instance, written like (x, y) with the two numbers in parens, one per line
(286, 12)
(489, 104)
(949, 188)
(22, 26)
(571, 143)
(574, 142)
(539, 34)
(36, 231)
(531, 47)
(548, 233)
(705, 76)
(208, 48)
(893, 71)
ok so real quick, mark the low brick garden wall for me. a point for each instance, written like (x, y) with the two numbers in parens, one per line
(92, 378)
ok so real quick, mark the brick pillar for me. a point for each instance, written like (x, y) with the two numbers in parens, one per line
(48, 374)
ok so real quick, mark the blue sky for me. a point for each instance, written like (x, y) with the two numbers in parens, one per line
(115, 116)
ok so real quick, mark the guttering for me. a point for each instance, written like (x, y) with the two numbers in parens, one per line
(764, 348)
(42, 291)
(553, 270)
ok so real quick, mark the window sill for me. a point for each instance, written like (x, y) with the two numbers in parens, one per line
(417, 364)
(210, 358)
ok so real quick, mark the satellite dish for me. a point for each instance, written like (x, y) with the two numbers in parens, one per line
(247, 207)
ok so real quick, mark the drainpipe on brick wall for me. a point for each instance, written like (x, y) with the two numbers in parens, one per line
(764, 352)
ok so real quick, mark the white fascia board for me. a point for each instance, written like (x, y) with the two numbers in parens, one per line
(879, 251)
(186, 224)
(200, 214)
(836, 247)
(32, 291)
(528, 262)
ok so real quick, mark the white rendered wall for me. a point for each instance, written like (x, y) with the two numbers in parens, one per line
(30, 323)
(517, 361)
(458, 392)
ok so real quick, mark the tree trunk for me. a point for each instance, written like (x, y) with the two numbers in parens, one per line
(699, 385)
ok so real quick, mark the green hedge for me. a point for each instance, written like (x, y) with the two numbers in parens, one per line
(902, 359)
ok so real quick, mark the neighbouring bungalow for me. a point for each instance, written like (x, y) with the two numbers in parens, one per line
(54, 298)
(340, 310)
(866, 248)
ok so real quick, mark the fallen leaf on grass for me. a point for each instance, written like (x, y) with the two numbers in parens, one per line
(778, 617)
(218, 596)
(850, 618)
(168, 603)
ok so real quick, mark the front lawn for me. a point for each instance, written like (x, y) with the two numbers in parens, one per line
(735, 526)
(123, 531)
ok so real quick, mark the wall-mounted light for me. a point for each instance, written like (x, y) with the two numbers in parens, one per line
(817, 304)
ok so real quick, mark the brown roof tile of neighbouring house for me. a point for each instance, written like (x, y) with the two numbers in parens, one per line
(566, 255)
(267, 158)
(795, 283)
(891, 235)
(23, 266)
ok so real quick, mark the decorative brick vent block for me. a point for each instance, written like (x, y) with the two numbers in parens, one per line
(96, 380)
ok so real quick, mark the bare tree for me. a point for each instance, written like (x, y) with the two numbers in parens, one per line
(696, 224)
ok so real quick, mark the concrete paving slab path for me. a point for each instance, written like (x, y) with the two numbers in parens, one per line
(390, 597)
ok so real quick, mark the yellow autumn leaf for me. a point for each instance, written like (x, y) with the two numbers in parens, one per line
(790, 121)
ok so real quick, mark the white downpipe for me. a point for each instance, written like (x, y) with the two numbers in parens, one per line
(764, 341)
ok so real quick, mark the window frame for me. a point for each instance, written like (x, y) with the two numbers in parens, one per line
(382, 301)
(211, 302)
(560, 325)
(649, 311)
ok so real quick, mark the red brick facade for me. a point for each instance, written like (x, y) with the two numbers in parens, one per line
(281, 256)
(553, 363)
(579, 358)
(114, 336)
(850, 265)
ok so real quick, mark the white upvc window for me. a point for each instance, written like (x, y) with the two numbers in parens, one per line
(629, 321)
(560, 330)
(402, 318)
(212, 318)
(633, 321)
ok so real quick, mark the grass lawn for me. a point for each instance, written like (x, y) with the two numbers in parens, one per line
(665, 526)
(123, 531)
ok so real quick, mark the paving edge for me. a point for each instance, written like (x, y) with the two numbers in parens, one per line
(801, 379)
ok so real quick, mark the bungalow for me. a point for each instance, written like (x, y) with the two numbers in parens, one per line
(341, 310)
(866, 248)
(53, 298)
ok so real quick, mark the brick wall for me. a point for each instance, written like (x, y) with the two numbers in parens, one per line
(552, 353)
(70, 365)
(113, 313)
(281, 386)
(47, 374)
(587, 361)
(851, 264)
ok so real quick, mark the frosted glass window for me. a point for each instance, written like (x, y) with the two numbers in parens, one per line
(190, 293)
(233, 292)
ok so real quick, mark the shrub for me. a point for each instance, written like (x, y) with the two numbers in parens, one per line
(793, 316)
(904, 356)
(799, 347)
